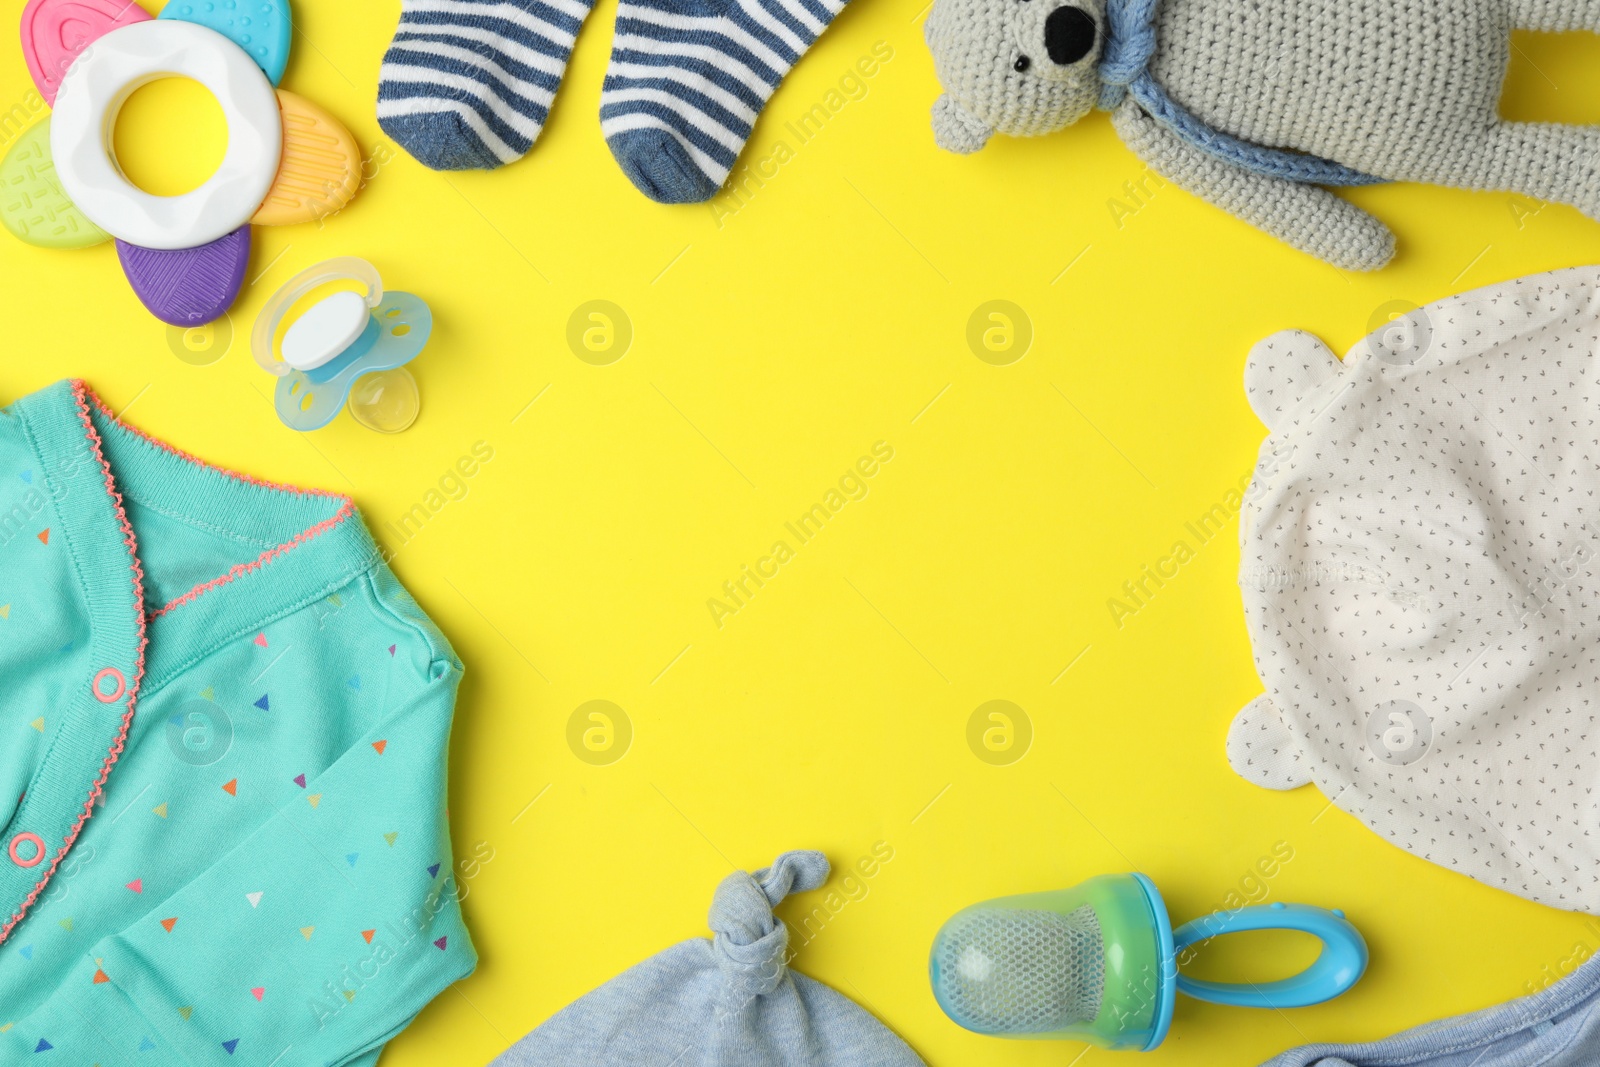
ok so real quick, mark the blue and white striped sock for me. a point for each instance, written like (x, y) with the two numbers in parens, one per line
(685, 85)
(467, 84)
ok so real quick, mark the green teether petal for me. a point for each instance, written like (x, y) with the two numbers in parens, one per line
(32, 203)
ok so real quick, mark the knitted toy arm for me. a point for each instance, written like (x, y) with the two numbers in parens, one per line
(1308, 217)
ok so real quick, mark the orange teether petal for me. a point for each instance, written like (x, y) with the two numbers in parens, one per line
(321, 168)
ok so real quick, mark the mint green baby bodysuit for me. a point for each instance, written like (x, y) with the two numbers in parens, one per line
(223, 736)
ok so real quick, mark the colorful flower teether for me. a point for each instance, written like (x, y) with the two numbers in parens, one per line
(287, 160)
(346, 345)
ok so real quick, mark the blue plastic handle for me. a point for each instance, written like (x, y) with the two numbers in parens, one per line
(1339, 966)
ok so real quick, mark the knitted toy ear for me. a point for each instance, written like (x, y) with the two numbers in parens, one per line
(957, 130)
(1283, 370)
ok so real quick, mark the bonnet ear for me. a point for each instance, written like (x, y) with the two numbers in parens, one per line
(1283, 370)
(957, 130)
(1262, 749)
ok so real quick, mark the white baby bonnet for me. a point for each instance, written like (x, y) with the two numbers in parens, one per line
(1421, 578)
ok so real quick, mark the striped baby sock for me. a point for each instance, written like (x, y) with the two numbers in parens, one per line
(467, 84)
(684, 86)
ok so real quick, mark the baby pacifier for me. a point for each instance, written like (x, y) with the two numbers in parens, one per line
(287, 160)
(1099, 963)
(346, 346)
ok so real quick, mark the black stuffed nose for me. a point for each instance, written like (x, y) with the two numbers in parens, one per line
(1069, 34)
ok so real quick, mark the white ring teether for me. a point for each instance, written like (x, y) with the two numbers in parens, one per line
(100, 82)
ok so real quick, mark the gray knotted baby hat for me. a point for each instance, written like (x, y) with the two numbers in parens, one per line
(728, 1002)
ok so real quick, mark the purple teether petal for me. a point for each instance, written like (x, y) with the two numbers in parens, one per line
(188, 286)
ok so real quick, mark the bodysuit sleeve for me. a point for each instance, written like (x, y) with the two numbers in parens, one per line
(311, 941)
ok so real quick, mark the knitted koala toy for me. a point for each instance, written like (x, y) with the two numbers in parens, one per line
(1258, 105)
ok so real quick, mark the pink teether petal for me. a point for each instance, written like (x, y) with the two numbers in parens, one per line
(54, 32)
(188, 286)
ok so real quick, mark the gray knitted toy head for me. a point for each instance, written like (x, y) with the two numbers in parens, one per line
(1018, 67)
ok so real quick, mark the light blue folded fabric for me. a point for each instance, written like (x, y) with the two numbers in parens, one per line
(728, 1002)
(1557, 1027)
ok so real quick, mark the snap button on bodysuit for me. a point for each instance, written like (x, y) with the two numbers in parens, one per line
(26, 838)
(114, 675)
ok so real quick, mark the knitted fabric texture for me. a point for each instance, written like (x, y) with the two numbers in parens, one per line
(1125, 73)
(687, 80)
(1420, 557)
(468, 84)
(1256, 105)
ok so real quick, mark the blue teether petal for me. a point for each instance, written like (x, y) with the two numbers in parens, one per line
(261, 27)
(403, 324)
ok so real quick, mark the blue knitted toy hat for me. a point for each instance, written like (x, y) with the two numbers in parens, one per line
(727, 1002)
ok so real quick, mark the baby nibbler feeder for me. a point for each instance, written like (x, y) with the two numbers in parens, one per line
(1099, 963)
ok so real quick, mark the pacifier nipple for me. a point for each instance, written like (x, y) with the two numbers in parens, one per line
(386, 401)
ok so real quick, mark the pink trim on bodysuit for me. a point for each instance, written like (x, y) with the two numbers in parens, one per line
(84, 397)
(238, 476)
(79, 391)
(266, 557)
(346, 509)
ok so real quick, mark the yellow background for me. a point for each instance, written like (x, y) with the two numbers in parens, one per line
(776, 339)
